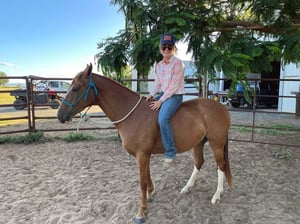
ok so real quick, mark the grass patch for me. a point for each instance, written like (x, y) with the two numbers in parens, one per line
(32, 137)
(6, 98)
(285, 127)
(241, 129)
(11, 122)
(273, 129)
(38, 137)
(83, 136)
(278, 129)
(283, 154)
(113, 136)
(80, 136)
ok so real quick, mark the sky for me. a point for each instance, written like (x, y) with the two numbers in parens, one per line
(55, 38)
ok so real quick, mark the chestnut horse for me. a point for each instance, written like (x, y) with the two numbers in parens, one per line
(197, 121)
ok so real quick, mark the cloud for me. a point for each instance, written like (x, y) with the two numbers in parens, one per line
(8, 64)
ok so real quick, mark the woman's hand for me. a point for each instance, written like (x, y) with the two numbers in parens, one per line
(149, 97)
(155, 105)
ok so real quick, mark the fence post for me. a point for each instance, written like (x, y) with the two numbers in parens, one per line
(297, 105)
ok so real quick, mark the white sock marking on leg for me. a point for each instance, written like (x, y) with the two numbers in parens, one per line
(217, 196)
(191, 181)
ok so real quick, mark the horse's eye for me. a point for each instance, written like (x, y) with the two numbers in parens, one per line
(75, 88)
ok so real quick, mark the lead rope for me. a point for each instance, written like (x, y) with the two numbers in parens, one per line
(84, 117)
(127, 115)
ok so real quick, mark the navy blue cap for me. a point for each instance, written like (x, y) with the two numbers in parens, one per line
(167, 39)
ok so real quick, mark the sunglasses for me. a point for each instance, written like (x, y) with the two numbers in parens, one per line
(167, 47)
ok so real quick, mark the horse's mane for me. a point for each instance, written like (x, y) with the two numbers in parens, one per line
(114, 82)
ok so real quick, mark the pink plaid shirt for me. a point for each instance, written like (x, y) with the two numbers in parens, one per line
(169, 78)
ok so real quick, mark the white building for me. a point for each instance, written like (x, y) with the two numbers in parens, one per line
(288, 87)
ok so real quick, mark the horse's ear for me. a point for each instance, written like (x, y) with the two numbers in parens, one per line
(88, 69)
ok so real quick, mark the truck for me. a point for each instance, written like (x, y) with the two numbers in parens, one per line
(44, 92)
(264, 95)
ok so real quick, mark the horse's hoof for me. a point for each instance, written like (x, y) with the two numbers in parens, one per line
(150, 196)
(215, 201)
(185, 190)
(139, 220)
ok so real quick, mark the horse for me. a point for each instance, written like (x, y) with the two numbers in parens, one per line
(196, 122)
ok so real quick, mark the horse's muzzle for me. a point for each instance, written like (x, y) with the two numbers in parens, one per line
(63, 117)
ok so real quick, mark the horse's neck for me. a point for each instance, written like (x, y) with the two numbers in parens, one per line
(114, 99)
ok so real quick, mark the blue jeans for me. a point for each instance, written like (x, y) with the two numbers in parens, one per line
(166, 111)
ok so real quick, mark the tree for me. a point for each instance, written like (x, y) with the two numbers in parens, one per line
(132, 45)
(233, 36)
(4, 81)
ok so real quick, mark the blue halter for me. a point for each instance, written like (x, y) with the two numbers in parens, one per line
(84, 95)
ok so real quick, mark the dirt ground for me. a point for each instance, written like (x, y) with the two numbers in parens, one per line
(96, 182)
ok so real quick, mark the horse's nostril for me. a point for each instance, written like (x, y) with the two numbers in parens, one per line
(59, 117)
(63, 117)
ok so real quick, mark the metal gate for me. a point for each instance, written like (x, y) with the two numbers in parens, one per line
(252, 123)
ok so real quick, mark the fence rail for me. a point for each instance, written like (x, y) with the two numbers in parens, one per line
(252, 119)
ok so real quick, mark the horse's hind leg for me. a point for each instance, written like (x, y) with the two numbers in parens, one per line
(217, 196)
(218, 150)
(198, 162)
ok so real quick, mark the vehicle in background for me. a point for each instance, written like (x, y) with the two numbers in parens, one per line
(264, 95)
(45, 92)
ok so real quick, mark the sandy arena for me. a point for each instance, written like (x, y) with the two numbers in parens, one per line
(96, 182)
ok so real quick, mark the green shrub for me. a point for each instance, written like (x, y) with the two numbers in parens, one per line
(32, 137)
(79, 136)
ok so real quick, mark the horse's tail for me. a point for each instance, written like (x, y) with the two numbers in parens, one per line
(227, 166)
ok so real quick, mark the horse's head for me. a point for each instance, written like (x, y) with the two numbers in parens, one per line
(78, 96)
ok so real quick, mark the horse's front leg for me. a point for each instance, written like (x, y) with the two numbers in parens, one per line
(146, 186)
